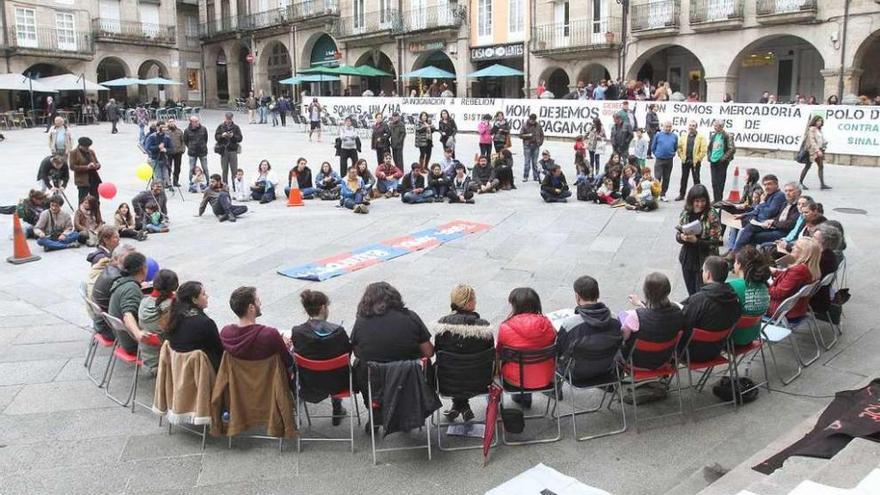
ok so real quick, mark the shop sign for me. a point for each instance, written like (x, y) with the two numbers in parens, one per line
(496, 52)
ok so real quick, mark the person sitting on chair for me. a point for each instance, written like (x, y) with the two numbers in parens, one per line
(125, 300)
(462, 332)
(248, 339)
(805, 270)
(318, 339)
(714, 308)
(655, 319)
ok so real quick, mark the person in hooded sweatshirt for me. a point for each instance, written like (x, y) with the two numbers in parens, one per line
(714, 308)
(248, 339)
(319, 339)
(463, 332)
(526, 328)
(590, 330)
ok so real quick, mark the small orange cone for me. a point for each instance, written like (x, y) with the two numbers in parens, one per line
(21, 253)
(734, 196)
(295, 198)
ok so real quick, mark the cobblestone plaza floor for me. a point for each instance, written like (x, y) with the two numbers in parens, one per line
(60, 434)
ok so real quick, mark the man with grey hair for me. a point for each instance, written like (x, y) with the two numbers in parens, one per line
(195, 137)
(720, 152)
(664, 147)
(760, 231)
(104, 274)
(111, 112)
(227, 139)
(691, 151)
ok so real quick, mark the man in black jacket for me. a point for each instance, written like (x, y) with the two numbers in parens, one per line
(621, 136)
(592, 331)
(195, 137)
(53, 174)
(554, 187)
(714, 308)
(398, 136)
(484, 180)
(227, 137)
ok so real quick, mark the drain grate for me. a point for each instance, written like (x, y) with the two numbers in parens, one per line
(851, 211)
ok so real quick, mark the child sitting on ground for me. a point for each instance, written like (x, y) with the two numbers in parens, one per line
(242, 190)
(603, 194)
(199, 183)
(154, 221)
(647, 193)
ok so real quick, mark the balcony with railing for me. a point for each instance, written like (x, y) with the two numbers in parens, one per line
(655, 18)
(144, 33)
(51, 42)
(370, 24)
(222, 26)
(280, 17)
(568, 40)
(313, 9)
(434, 17)
(785, 11)
(715, 15)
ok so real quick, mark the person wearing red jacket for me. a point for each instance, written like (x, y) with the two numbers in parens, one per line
(805, 270)
(526, 328)
(388, 176)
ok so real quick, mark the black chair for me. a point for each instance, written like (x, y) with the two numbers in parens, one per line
(452, 371)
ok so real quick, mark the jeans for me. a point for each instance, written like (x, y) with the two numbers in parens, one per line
(153, 228)
(274, 119)
(264, 111)
(756, 235)
(416, 198)
(530, 154)
(344, 156)
(307, 193)
(663, 172)
(113, 126)
(688, 168)
(350, 203)
(160, 169)
(228, 160)
(383, 186)
(141, 134)
(453, 196)
(192, 165)
(594, 161)
(264, 196)
(556, 198)
(54, 244)
(224, 206)
(283, 116)
(440, 191)
(719, 178)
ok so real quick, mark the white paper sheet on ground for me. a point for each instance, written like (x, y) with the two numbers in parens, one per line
(543, 480)
(558, 316)
(474, 430)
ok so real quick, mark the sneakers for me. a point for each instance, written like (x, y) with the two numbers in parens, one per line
(223, 218)
(466, 414)
(231, 217)
(663, 198)
(451, 413)
(824, 187)
(804, 187)
(363, 209)
(680, 198)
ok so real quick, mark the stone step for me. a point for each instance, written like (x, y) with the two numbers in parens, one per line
(850, 465)
(791, 474)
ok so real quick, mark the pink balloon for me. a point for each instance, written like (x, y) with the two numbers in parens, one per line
(107, 190)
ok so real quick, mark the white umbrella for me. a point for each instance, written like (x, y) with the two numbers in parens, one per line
(18, 82)
(161, 81)
(70, 82)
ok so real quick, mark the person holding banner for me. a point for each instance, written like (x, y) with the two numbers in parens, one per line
(814, 145)
(652, 126)
(720, 152)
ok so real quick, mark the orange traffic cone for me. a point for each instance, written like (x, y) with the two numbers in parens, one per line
(294, 198)
(734, 197)
(21, 253)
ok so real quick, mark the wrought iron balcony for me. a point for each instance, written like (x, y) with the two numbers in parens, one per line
(225, 25)
(284, 16)
(134, 32)
(51, 42)
(576, 36)
(311, 9)
(434, 17)
(370, 24)
(264, 20)
(716, 14)
(656, 18)
(785, 11)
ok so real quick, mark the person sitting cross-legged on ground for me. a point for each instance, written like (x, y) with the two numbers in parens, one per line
(263, 189)
(526, 328)
(125, 223)
(806, 254)
(351, 193)
(714, 308)
(221, 204)
(388, 177)
(775, 227)
(752, 269)
(591, 331)
(554, 187)
(125, 299)
(319, 339)
(327, 182)
(54, 229)
(503, 166)
(108, 239)
(414, 187)
(300, 176)
(463, 332)
(655, 319)
(460, 186)
(154, 221)
(438, 182)
(154, 314)
(483, 175)
(248, 339)
(189, 328)
(363, 171)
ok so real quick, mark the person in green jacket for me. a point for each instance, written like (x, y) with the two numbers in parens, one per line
(125, 300)
(752, 270)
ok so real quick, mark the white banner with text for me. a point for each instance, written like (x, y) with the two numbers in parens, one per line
(849, 130)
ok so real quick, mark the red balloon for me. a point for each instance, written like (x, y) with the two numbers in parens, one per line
(107, 190)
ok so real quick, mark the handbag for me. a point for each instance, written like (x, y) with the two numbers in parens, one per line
(803, 156)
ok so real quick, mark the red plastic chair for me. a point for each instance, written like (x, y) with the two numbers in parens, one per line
(724, 357)
(96, 340)
(664, 352)
(343, 361)
(119, 354)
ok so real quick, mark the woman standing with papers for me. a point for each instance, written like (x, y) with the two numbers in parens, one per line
(699, 233)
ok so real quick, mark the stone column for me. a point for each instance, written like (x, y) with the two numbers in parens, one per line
(718, 86)
(851, 78)
(462, 67)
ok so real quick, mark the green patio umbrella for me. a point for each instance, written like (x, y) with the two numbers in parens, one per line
(368, 71)
(309, 78)
(342, 70)
(429, 72)
(497, 70)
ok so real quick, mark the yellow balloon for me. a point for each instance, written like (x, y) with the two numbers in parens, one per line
(144, 171)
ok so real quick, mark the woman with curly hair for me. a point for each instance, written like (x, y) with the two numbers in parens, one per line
(698, 243)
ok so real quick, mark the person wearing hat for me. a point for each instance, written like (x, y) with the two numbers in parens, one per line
(460, 186)
(85, 166)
